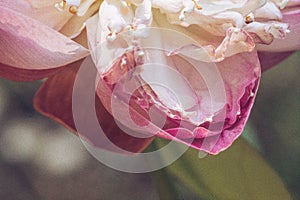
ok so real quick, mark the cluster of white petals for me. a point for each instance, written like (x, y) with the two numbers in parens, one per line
(241, 23)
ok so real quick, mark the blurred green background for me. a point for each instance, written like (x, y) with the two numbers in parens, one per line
(41, 160)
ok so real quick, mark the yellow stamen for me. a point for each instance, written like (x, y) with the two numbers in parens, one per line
(248, 19)
(61, 6)
(128, 3)
(197, 6)
(132, 27)
(64, 4)
(73, 9)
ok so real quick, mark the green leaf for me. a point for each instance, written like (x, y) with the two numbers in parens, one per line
(239, 173)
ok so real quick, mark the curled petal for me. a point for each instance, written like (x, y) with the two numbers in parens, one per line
(265, 33)
(291, 42)
(236, 41)
(211, 23)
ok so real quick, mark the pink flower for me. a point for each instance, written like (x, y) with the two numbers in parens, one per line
(38, 41)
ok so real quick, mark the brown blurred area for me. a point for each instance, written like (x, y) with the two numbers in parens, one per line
(39, 159)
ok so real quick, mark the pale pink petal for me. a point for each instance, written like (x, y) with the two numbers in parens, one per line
(43, 11)
(28, 44)
(269, 11)
(210, 23)
(267, 32)
(291, 42)
(236, 41)
(202, 37)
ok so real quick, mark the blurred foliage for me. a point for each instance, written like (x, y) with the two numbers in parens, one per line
(276, 120)
(237, 173)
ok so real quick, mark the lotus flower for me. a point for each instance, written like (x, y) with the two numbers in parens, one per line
(47, 38)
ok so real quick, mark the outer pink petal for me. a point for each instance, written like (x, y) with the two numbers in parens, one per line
(29, 45)
(17, 74)
(271, 59)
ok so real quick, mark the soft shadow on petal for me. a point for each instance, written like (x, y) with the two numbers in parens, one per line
(29, 45)
(54, 99)
(82, 39)
(271, 59)
(76, 23)
(17, 74)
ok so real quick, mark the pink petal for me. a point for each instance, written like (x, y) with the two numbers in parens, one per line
(240, 74)
(54, 99)
(17, 74)
(29, 45)
(271, 59)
